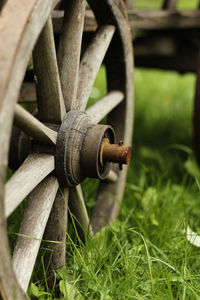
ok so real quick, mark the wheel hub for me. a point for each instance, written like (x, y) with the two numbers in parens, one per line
(78, 149)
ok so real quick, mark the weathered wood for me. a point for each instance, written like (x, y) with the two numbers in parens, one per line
(112, 176)
(119, 63)
(91, 62)
(164, 19)
(27, 93)
(167, 50)
(9, 288)
(169, 4)
(13, 61)
(32, 228)
(56, 233)
(150, 19)
(34, 128)
(78, 209)
(111, 11)
(70, 48)
(51, 106)
(101, 108)
(90, 23)
(129, 4)
(33, 170)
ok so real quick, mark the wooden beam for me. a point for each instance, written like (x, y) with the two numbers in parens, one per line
(164, 19)
(146, 19)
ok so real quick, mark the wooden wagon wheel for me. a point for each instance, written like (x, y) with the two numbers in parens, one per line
(61, 148)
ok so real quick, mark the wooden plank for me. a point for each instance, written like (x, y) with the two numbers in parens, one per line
(51, 106)
(91, 62)
(78, 209)
(32, 228)
(33, 170)
(70, 49)
(100, 109)
(164, 19)
(152, 19)
(34, 128)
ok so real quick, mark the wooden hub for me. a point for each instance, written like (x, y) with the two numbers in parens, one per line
(78, 149)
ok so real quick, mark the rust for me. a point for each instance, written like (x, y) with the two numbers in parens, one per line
(116, 153)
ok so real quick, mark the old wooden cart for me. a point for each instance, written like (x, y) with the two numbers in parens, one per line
(56, 146)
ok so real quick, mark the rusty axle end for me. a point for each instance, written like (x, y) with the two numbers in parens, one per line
(115, 153)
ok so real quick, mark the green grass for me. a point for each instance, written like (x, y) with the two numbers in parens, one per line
(145, 254)
(157, 4)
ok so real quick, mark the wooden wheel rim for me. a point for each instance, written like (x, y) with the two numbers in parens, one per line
(33, 17)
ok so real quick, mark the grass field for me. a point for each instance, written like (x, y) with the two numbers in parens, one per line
(145, 253)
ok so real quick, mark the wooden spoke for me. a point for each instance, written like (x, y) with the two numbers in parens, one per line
(101, 108)
(27, 93)
(70, 48)
(169, 4)
(34, 128)
(32, 228)
(78, 209)
(49, 94)
(90, 23)
(112, 176)
(33, 170)
(56, 232)
(91, 63)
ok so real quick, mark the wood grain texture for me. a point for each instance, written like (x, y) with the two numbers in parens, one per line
(101, 108)
(70, 49)
(33, 170)
(8, 280)
(29, 17)
(91, 62)
(119, 70)
(78, 209)
(34, 128)
(112, 176)
(51, 106)
(90, 23)
(55, 233)
(32, 228)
